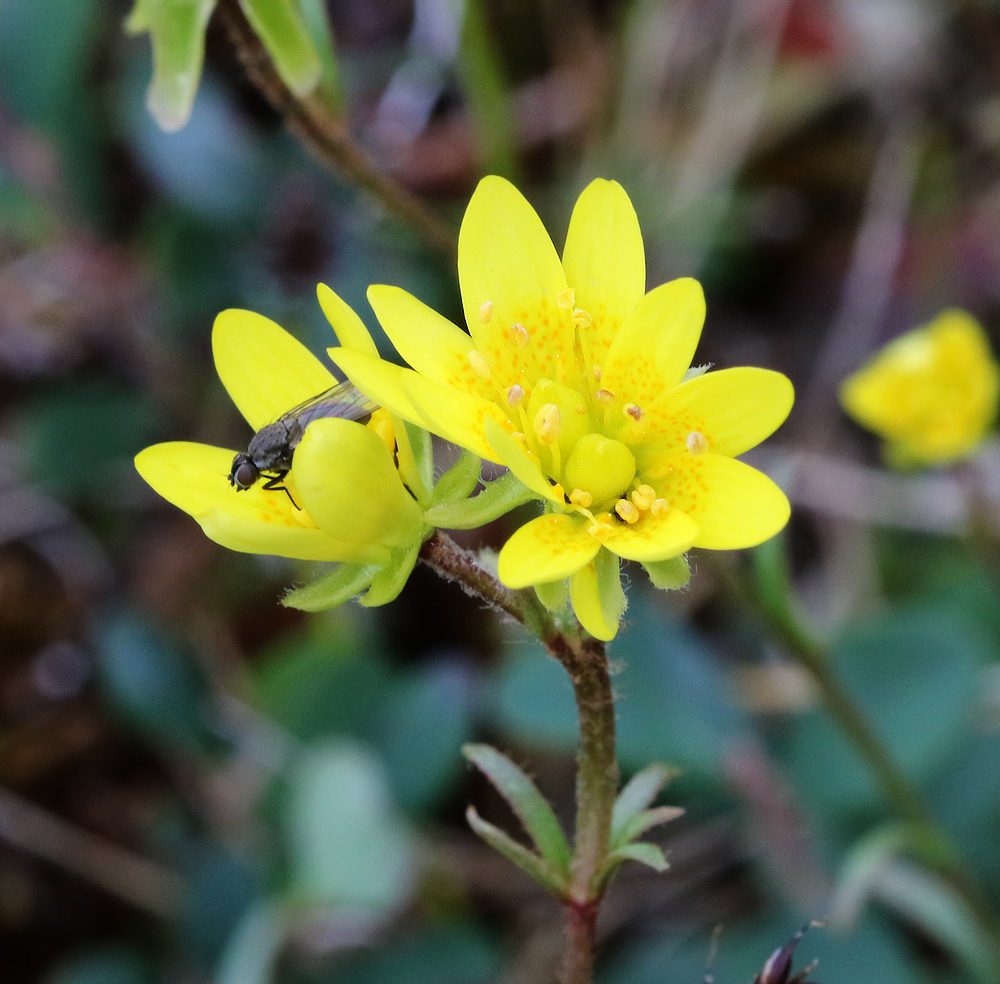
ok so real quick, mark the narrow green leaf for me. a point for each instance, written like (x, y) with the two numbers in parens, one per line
(317, 20)
(637, 794)
(252, 950)
(497, 498)
(279, 25)
(390, 579)
(531, 808)
(647, 854)
(556, 880)
(459, 481)
(644, 820)
(343, 583)
(669, 575)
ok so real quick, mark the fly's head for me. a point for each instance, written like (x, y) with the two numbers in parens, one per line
(244, 472)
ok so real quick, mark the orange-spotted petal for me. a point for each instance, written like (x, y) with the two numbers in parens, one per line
(512, 283)
(655, 537)
(548, 548)
(515, 456)
(430, 343)
(264, 369)
(734, 409)
(734, 505)
(605, 262)
(655, 345)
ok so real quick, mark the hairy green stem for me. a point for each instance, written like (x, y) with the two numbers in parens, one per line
(323, 132)
(585, 660)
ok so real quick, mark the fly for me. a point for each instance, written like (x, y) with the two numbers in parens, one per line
(269, 454)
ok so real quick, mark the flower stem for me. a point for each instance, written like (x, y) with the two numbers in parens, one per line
(323, 132)
(585, 660)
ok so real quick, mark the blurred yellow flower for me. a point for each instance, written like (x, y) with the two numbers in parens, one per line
(354, 507)
(931, 393)
(577, 380)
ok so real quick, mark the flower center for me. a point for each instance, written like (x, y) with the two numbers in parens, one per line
(601, 466)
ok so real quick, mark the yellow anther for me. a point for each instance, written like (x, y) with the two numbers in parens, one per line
(581, 498)
(627, 511)
(696, 442)
(658, 507)
(485, 312)
(566, 298)
(479, 364)
(548, 424)
(604, 396)
(642, 497)
(515, 395)
(519, 334)
(632, 410)
(601, 529)
(581, 318)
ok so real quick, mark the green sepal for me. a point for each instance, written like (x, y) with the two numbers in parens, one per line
(391, 578)
(423, 452)
(647, 854)
(636, 796)
(554, 595)
(343, 583)
(177, 32)
(279, 25)
(530, 807)
(497, 498)
(459, 481)
(556, 880)
(669, 575)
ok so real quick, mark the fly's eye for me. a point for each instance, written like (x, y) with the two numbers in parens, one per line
(244, 473)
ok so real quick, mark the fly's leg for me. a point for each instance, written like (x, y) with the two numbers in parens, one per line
(273, 484)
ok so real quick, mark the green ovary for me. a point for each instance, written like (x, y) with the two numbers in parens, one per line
(601, 466)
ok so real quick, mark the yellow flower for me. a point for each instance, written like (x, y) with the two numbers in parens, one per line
(577, 381)
(353, 506)
(931, 393)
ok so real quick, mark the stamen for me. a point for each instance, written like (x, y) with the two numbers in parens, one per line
(633, 410)
(548, 424)
(601, 529)
(696, 442)
(604, 396)
(566, 298)
(658, 507)
(643, 497)
(515, 395)
(581, 498)
(627, 511)
(485, 312)
(479, 364)
(581, 318)
(520, 335)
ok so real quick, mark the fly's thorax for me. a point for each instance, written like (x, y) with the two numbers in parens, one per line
(272, 446)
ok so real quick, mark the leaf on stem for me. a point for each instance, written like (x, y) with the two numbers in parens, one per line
(637, 794)
(497, 498)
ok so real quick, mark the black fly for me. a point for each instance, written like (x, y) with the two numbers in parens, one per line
(269, 454)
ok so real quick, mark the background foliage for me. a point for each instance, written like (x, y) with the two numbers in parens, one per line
(197, 784)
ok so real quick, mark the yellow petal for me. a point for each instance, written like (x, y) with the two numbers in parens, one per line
(597, 596)
(734, 409)
(430, 343)
(511, 275)
(264, 369)
(658, 537)
(734, 505)
(193, 478)
(655, 345)
(348, 484)
(604, 261)
(515, 456)
(548, 548)
(344, 320)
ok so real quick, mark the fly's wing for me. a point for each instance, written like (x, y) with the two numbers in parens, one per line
(343, 400)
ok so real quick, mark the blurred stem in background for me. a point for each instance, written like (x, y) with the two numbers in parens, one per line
(776, 606)
(316, 123)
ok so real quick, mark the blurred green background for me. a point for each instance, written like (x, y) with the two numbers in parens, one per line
(197, 784)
